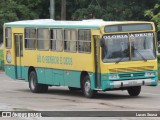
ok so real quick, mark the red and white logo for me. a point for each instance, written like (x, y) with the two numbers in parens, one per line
(8, 56)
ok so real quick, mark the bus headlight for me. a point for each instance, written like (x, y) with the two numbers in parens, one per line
(149, 74)
(113, 76)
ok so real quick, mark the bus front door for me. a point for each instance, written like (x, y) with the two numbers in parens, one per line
(97, 61)
(18, 38)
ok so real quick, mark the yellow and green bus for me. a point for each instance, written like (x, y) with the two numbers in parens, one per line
(88, 55)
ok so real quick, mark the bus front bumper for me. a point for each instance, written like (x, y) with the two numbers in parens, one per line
(128, 83)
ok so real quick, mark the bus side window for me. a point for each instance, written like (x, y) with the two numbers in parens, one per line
(8, 37)
(70, 40)
(30, 38)
(53, 39)
(43, 39)
(84, 41)
(56, 39)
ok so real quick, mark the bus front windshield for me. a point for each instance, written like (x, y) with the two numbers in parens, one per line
(125, 47)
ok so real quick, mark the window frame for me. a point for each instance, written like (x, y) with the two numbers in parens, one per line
(8, 37)
(35, 39)
(66, 40)
(55, 39)
(44, 49)
(85, 41)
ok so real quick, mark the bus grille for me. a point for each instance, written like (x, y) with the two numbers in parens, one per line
(131, 69)
(133, 75)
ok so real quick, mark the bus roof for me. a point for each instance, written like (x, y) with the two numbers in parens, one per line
(50, 23)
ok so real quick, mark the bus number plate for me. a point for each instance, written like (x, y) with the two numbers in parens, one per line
(132, 82)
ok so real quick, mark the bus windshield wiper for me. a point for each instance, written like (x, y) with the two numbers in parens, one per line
(140, 54)
(120, 59)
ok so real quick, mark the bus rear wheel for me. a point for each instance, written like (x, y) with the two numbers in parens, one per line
(134, 91)
(34, 86)
(86, 87)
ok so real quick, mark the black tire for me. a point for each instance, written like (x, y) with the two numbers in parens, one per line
(74, 89)
(86, 88)
(34, 86)
(134, 91)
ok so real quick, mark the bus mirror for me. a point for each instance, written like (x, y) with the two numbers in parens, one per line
(102, 42)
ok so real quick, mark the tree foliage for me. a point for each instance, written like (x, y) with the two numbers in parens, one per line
(110, 10)
(14, 10)
(114, 10)
(154, 15)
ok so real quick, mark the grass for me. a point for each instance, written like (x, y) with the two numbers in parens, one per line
(1, 59)
(1, 55)
(158, 57)
(158, 70)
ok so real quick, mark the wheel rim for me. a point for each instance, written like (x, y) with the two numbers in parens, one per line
(87, 87)
(32, 83)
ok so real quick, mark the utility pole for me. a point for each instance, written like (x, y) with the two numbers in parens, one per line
(52, 9)
(63, 9)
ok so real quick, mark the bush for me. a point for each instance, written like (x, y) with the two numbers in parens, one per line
(158, 58)
(1, 55)
(1, 59)
(158, 49)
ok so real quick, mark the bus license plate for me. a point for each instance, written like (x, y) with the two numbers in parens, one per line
(132, 83)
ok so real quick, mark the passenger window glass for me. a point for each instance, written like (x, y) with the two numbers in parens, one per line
(70, 40)
(8, 37)
(56, 39)
(84, 41)
(30, 38)
(43, 39)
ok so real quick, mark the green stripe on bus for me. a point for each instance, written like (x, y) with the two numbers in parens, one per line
(70, 78)
(50, 76)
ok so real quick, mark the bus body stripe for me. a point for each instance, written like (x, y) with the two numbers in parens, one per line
(53, 76)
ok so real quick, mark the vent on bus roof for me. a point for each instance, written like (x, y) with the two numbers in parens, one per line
(130, 69)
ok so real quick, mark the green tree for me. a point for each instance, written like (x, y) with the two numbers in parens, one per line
(36, 8)
(154, 15)
(8, 12)
(14, 10)
(112, 10)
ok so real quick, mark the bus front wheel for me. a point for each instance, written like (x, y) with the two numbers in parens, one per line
(34, 86)
(134, 91)
(86, 87)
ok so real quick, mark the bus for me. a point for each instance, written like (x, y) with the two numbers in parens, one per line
(88, 55)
